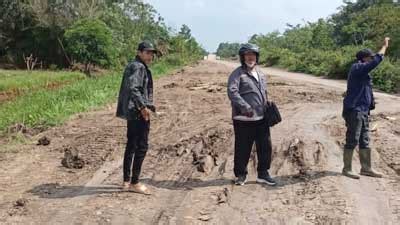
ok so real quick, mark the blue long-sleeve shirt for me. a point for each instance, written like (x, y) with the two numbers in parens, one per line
(359, 85)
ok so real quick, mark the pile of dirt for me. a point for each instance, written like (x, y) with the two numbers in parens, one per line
(44, 141)
(298, 159)
(223, 196)
(386, 139)
(171, 85)
(294, 153)
(19, 207)
(204, 148)
(212, 87)
(20, 128)
(71, 159)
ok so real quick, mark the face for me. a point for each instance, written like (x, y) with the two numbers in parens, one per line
(250, 59)
(367, 59)
(146, 56)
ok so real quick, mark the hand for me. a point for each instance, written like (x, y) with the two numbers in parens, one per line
(249, 114)
(145, 112)
(386, 42)
(385, 46)
(152, 108)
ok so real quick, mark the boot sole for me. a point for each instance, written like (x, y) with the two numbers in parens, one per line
(351, 176)
(371, 175)
(262, 181)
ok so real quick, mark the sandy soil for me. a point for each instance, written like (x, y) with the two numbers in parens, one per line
(189, 164)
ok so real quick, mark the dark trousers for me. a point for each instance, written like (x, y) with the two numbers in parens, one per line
(357, 124)
(136, 148)
(246, 133)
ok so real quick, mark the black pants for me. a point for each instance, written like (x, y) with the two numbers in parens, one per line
(357, 124)
(246, 133)
(136, 148)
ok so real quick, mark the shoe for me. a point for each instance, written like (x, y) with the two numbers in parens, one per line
(139, 188)
(347, 161)
(241, 180)
(126, 186)
(365, 160)
(266, 179)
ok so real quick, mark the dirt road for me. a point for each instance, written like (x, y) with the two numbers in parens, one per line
(189, 164)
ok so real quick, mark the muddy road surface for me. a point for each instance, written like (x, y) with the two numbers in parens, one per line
(74, 175)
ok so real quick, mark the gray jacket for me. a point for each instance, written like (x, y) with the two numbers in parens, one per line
(246, 93)
(136, 91)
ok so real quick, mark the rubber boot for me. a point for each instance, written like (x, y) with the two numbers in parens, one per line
(365, 160)
(347, 161)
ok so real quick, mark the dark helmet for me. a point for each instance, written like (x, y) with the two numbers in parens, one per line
(248, 48)
(364, 53)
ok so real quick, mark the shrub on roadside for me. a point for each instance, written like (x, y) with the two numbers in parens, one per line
(173, 60)
(387, 76)
(90, 42)
(333, 64)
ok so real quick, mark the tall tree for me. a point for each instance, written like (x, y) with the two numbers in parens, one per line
(185, 32)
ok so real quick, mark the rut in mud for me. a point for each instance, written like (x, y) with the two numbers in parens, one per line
(75, 175)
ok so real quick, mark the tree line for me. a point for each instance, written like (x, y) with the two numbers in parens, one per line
(64, 33)
(328, 46)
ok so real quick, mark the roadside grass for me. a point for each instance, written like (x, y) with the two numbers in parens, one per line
(46, 108)
(25, 81)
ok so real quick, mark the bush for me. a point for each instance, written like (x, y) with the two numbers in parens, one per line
(387, 77)
(271, 56)
(89, 41)
(318, 62)
(333, 64)
(227, 50)
(173, 60)
(328, 47)
(291, 61)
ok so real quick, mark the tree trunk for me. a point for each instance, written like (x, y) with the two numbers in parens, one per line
(63, 49)
(87, 70)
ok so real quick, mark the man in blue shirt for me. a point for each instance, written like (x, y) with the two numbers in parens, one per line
(357, 104)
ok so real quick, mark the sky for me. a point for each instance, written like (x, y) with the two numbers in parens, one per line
(216, 21)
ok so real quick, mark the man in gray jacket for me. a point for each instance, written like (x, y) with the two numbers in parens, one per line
(135, 102)
(247, 92)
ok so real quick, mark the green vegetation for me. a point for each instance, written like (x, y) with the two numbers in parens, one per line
(90, 43)
(52, 107)
(228, 50)
(23, 81)
(328, 47)
(77, 34)
(90, 32)
(49, 107)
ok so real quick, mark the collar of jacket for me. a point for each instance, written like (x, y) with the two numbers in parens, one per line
(139, 60)
(257, 69)
(244, 70)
